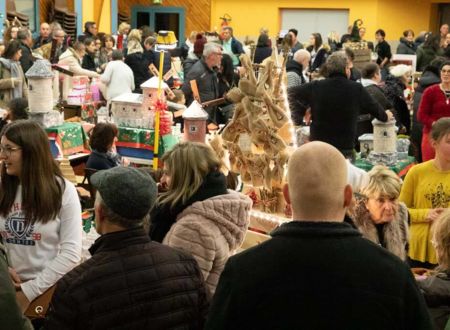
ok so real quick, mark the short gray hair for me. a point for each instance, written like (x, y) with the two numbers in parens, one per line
(336, 63)
(117, 54)
(23, 34)
(211, 47)
(116, 218)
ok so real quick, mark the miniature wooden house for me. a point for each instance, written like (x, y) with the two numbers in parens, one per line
(40, 90)
(384, 136)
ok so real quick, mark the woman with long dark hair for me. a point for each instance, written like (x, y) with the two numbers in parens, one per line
(318, 53)
(40, 213)
(12, 82)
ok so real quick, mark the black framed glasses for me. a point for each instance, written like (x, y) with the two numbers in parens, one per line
(7, 150)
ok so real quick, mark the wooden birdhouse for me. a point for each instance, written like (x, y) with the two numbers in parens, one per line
(195, 123)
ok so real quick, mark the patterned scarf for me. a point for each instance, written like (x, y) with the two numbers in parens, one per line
(14, 68)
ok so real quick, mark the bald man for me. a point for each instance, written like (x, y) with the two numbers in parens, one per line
(297, 67)
(317, 272)
(44, 36)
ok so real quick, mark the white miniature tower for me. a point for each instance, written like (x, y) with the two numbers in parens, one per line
(384, 136)
(40, 90)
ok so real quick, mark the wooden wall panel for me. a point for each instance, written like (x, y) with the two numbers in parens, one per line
(46, 5)
(198, 12)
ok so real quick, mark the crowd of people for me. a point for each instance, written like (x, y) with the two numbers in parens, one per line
(372, 255)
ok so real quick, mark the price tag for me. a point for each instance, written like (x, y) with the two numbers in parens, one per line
(168, 75)
(245, 142)
(153, 70)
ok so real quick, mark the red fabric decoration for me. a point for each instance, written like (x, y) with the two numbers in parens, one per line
(165, 118)
(120, 41)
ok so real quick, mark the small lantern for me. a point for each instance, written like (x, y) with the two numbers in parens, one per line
(195, 123)
(384, 136)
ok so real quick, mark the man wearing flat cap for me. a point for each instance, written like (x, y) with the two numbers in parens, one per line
(130, 282)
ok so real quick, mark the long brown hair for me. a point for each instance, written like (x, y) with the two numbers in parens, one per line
(41, 179)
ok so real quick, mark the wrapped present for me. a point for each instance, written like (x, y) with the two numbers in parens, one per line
(67, 139)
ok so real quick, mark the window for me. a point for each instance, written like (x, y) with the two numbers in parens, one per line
(28, 7)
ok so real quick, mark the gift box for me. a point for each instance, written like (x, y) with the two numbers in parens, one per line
(67, 139)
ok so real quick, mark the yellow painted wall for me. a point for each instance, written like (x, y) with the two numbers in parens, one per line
(98, 11)
(394, 16)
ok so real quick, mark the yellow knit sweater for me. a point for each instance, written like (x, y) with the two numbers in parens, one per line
(424, 188)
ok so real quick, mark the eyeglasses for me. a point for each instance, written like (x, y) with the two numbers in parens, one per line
(445, 71)
(7, 150)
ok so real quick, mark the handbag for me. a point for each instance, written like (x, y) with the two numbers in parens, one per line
(39, 306)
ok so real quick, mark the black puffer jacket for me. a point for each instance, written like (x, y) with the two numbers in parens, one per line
(130, 283)
(139, 65)
(436, 290)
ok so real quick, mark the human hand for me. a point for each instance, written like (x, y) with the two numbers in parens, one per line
(390, 115)
(125, 161)
(16, 81)
(307, 117)
(433, 214)
(22, 300)
(14, 277)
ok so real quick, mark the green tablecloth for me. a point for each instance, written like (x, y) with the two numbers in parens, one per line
(140, 138)
(401, 167)
(69, 138)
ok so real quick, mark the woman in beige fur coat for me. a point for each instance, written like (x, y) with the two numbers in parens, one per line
(210, 229)
(378, 214)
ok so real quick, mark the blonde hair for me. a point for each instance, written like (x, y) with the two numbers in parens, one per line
(187, 164)
(382, 182)
(441, 238)
(123, 26)
(135, 34)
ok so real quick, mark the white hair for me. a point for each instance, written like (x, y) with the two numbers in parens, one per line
(400, 70)
(211, 47)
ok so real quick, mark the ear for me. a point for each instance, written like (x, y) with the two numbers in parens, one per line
(99, 218)
(348, 195)
(286, 193)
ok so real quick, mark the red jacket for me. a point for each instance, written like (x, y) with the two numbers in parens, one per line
(432, 107)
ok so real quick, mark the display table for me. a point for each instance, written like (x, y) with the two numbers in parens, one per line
(137, 144)
(67, 139)
(401, 167)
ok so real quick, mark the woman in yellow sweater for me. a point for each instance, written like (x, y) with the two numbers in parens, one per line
(426, 193)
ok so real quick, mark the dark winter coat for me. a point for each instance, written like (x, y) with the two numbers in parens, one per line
(89, 62)
(394, 92)
(207, 83)
(261, 53)
(395, 234)
(406, 47)
(317, 275)
(436, 290)
(319, 59)
(377, 93)
(11, 316)
(103, 160)
(335, 105)
(424, 57)
(294, 74)
(139, 65)
(27, 58)
(130, 283)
